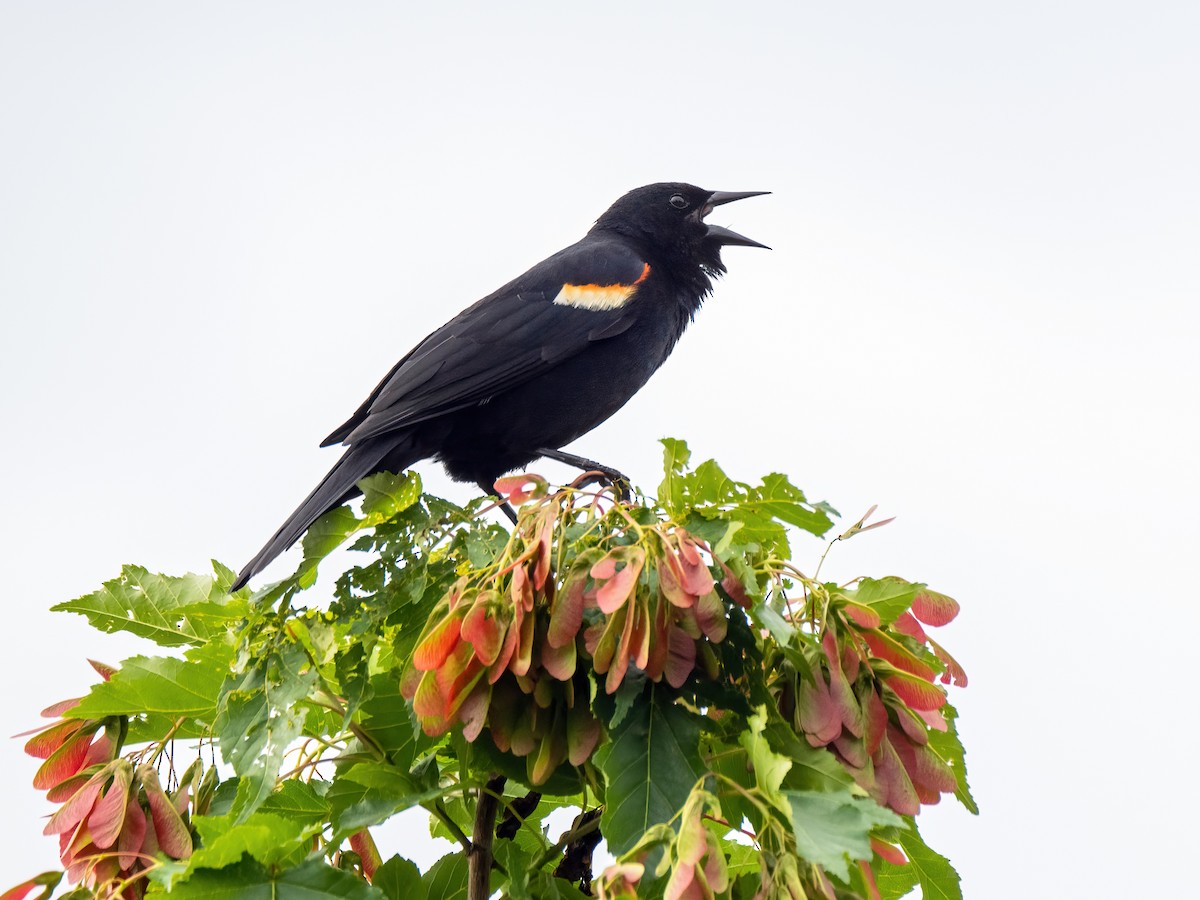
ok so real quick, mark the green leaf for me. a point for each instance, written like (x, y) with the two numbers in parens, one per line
(516, 864)
(250, 880)
(769, 767)
(888, 597)
(709, 484)
(831, 825)
(385, 494)
(813, 768)
(651, 764)
(266, 837)
(766, 616)
(627, 694)
(369, 793)
(259, 718)
(484, 545)
(172, 611)
(787, 503)
(675, 459)
(731, 766)
(936, 876)
(447, 878)
(760, 511)
(298, 800)
(323, 537)
(387, 717)
(743, 860)
(164, 874)
(523, 883)
(949, 747)
(894, 882)
(163, 689)
(716, 532)
(399, 879)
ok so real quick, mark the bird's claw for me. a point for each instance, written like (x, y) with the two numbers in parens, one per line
(618, 481)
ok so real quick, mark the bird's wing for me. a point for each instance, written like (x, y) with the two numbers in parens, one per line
(553, 311)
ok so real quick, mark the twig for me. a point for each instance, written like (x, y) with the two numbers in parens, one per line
(162, 745)
(439, 810)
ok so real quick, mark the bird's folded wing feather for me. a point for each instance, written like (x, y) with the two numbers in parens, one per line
(549, 314)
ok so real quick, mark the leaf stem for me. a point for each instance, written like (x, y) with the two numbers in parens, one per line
(821, 562)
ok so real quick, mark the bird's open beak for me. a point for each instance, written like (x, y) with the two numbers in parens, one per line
(722, 235)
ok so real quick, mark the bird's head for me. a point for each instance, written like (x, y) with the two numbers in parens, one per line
(668, 219)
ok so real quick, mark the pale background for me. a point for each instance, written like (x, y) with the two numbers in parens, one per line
(220, 224)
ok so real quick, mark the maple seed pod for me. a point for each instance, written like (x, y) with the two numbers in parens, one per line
(484, 626)
(566, 610)
(670, 581)
(133, 834)
(107, 818)
(708, 660)
(364, 845)
(516, 489)
(618, 570)
(559, 662)
(619, 881)
(172, 834)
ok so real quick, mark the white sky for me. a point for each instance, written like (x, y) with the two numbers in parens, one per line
(221, 224)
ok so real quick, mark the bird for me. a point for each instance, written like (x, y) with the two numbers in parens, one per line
(539, 362)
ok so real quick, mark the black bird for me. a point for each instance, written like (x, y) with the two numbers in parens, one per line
(540, 362)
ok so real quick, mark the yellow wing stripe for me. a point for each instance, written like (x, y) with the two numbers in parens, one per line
(600, 296)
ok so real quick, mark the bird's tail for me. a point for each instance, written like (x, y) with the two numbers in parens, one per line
(338, 486)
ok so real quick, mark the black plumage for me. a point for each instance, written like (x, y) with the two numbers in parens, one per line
(540, 362)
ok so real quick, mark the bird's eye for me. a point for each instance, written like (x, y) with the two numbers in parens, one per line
(679, 202)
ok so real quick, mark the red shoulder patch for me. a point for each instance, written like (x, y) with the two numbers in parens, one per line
(600, 296)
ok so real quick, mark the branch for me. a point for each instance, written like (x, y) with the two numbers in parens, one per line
(479, 857)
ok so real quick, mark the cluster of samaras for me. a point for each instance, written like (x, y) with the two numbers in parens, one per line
(503, 648)
(115, 816)
(871, 699)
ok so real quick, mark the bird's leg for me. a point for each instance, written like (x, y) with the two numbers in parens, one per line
(615, 478)
(490, 491)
